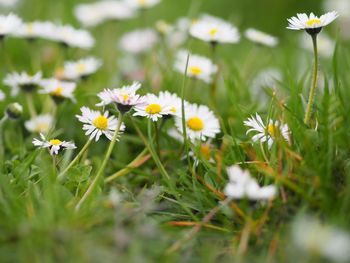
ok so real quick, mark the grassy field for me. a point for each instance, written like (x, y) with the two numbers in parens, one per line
(162, 200)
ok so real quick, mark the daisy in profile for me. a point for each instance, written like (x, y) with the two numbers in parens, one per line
(97, 124)
(59, 90)
(214, 30)
(201, 123)
(242, 185)
(8, 24)
(75, 70)
(40, 124)
(139, 41)
(153, 108)
(36, 29)
(22, 81)
(125, 98)
(69, 36)
(267, 133)
(142, 4)
(54, 145)
(260, 37)
(198, 67)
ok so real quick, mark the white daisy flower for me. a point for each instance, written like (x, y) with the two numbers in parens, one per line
(172, 100)
(153, 108)
(54, 145)
(318, 239)
(72, 37)
(22, 81)
(259, 37)
(325, 45)
(201, 122)
(8, 24)
(198, 67)
(142, 4)
(93, 14)
(8, 3)
(125, 97)
(97, 123)
(242, 185)
(312, 24)
(36, 29)
(268, 132)
(2, 95)
(139, 41)
(59, 90)
(40, 124)
(74, 70)
(214, 30)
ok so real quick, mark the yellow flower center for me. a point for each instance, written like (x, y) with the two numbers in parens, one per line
(124, 96)
(153, 108)
(312, 22)
(81, 67)
(142, 2)
(272, 130)
(195, 124)
(101, 122)
(57, 92)
(213, 32)
(30, 28)
(173, 109)
(42, 127)
(195, 70)
(55, 142)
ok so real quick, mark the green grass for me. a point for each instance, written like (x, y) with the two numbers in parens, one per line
(161, 200)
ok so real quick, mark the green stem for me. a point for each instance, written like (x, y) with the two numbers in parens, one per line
(2, 148)
(314, 82)
(61, 175)
(93, 185)
(30, 104)
(156, 131)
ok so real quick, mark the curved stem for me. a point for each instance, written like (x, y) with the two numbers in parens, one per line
(61, 175)
(314, 82)
(104, 163)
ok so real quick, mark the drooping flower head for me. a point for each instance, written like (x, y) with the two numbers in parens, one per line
(54, 145)
(260, 37)
(125, 98)
(270, 132)
(40, 124)
(312, 24)
(59, 90)
(22, 81)
(201, 122)
(97, 123)
(198, 67)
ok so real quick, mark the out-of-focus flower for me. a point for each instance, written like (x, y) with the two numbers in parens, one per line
(22, 81)
(312, 24)
(325, 45)
(260, 37)
(8, 24)
(269, 132)
(74, 70)
(141, 4)
(72, 37)
(36, 29)
(97, 123)
(342, 7)
(198, 67)
(139, 41)
(2, 95)
(242, 185)
(59, 90)
(8, 3)
(54, 145)
(14, 110)
(201, 122)
(40, 124)
(317, 239)
(93, 14)
(172, 100)
(214, 30)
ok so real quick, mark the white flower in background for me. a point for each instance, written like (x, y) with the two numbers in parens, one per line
(54, 145)
(97, 124)
(214, 30)
(269, 132)
(40, 124)
(59, 90)
(8, 24)
(260, 37)
(325, 45)
(74, 70)
(93, 14)
(201, 122)
(36, 29)
(312, 24)
(153, 108)
(22, 81)
(8, 3)
(172, 100)
(139, 41)
(125, 97)
(142, 4)
(242, 185)
(174, 34)
(2, 95)
(317, 239)
(72, 37)
(198, 67)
